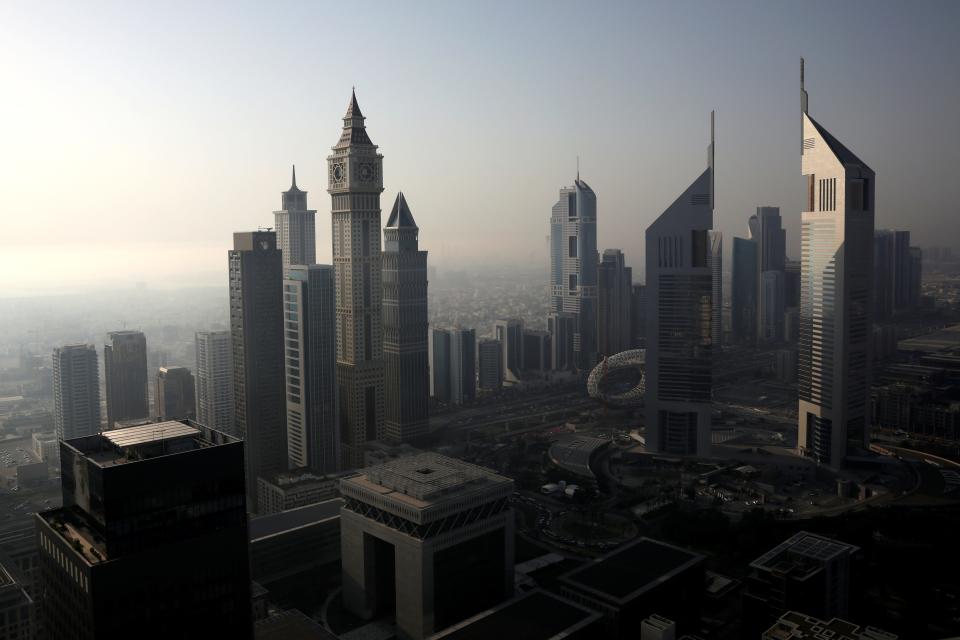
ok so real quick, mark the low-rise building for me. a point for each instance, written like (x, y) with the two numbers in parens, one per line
(292, 489)
(17, 612)
(798, 626)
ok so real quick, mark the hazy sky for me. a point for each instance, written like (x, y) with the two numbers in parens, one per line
(136, 137)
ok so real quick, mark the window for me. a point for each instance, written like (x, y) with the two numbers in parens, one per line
(573, 282)
(572, 246)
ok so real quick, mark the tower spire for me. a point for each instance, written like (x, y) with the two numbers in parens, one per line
(293, 181)
(710, 155)
(803, 92)
(578, 167)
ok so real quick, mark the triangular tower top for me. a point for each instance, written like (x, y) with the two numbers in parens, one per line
(400, 216)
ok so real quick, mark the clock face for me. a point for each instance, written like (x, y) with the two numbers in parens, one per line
(264, 244)
(338, 172)
(366, 172)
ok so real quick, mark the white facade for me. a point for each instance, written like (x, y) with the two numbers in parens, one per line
(296, 230)
(214, 381)
(76, 391)
(836, 303)
(680, 321)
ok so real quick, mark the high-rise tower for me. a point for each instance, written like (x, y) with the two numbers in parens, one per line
(355, 183)
(615, 282)
(125, 370)
(836, 303)
(573, 266)
(215, 381)
(405, 328)
(256, 329)
(680, 320)
(296, 232)
(76, 391)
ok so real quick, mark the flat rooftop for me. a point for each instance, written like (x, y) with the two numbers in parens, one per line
(803, 546)
(298, 478)
(632, 570)
(274, 523)
(797, 626)
(573, 454)
(538, 615)
(290, 625)
(129, 444)
(75, 528)
(947, 339)
(424, 479)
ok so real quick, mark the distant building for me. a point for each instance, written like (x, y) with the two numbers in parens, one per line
(313, 439)
(715, 238)
(76, 391)
(536, 351)
(405, 328)
(791, 272)
(562, 327)
(125, 371)
(658, 628)
(293, 489)
(614, 289)
(679, 354)
(463, 365)
(573, 266)
(798, 626)
(440, 364)
(744, 291)
(214, 392)
(17, 608)
(95, 566)
(428, 538)
(766, 229)
(46, 447)
(289, 625)
(638, 316)
(256, 329)
(175, 394)
(295, 226)
(355, 182)
(636, 581)
(883, 274)
(509, 332)
(836, 307)
(490, 364)
(772, 309)
(807, 572)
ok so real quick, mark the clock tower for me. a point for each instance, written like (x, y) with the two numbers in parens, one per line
(355, 179)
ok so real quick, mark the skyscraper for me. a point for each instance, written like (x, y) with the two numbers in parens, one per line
(715, 238)
(296, 232)
(902, 280)
(679, 320)
(536, 351)
(175, 397)
(615, 280)
(440, 364)
(509, 331)
(743, 295)
(76, 391)
(836, 296)
(490, 364)
(405, 328)
(256, 329)
(883, 274)
(310, 345)
(125, 370)
(638, 316)
(766, 229)
(573, 266)
(151, 541)
(355, 173)
(561, 327)
(463, 365)
(214, 393)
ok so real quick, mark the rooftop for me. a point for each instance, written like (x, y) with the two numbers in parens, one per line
(797, 626)
(538, 615)
(298, 477)
(424, 479)
(803, 549)
(633, 569)
(274, 523)
(290, 625)
(129, 444)
(73, 526)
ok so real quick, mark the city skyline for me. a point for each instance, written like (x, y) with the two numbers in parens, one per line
(117, 154)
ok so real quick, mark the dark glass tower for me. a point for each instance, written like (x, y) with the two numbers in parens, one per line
(125, 370)
(256, 329)
(406, 367)
(151, 541)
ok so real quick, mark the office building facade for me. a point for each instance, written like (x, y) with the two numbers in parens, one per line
(125, 373)
(463, 365)
(573, 267)
(175, 394)
(296, 228)
(679, 355)
(509, 332)
(256, 329)
(489, 365)
(440, 364)
(214, 392)
(615, 282)
(836, 304)
(744, 290)
(310, 361)
(355, 175)
(76, 391)
(405, 328)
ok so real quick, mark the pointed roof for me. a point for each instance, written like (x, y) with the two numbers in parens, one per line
(844, 155)
(293, 183)
(400, 216)
(353, 109)
(354, 130)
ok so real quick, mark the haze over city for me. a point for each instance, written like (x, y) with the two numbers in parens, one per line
(141, 135)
